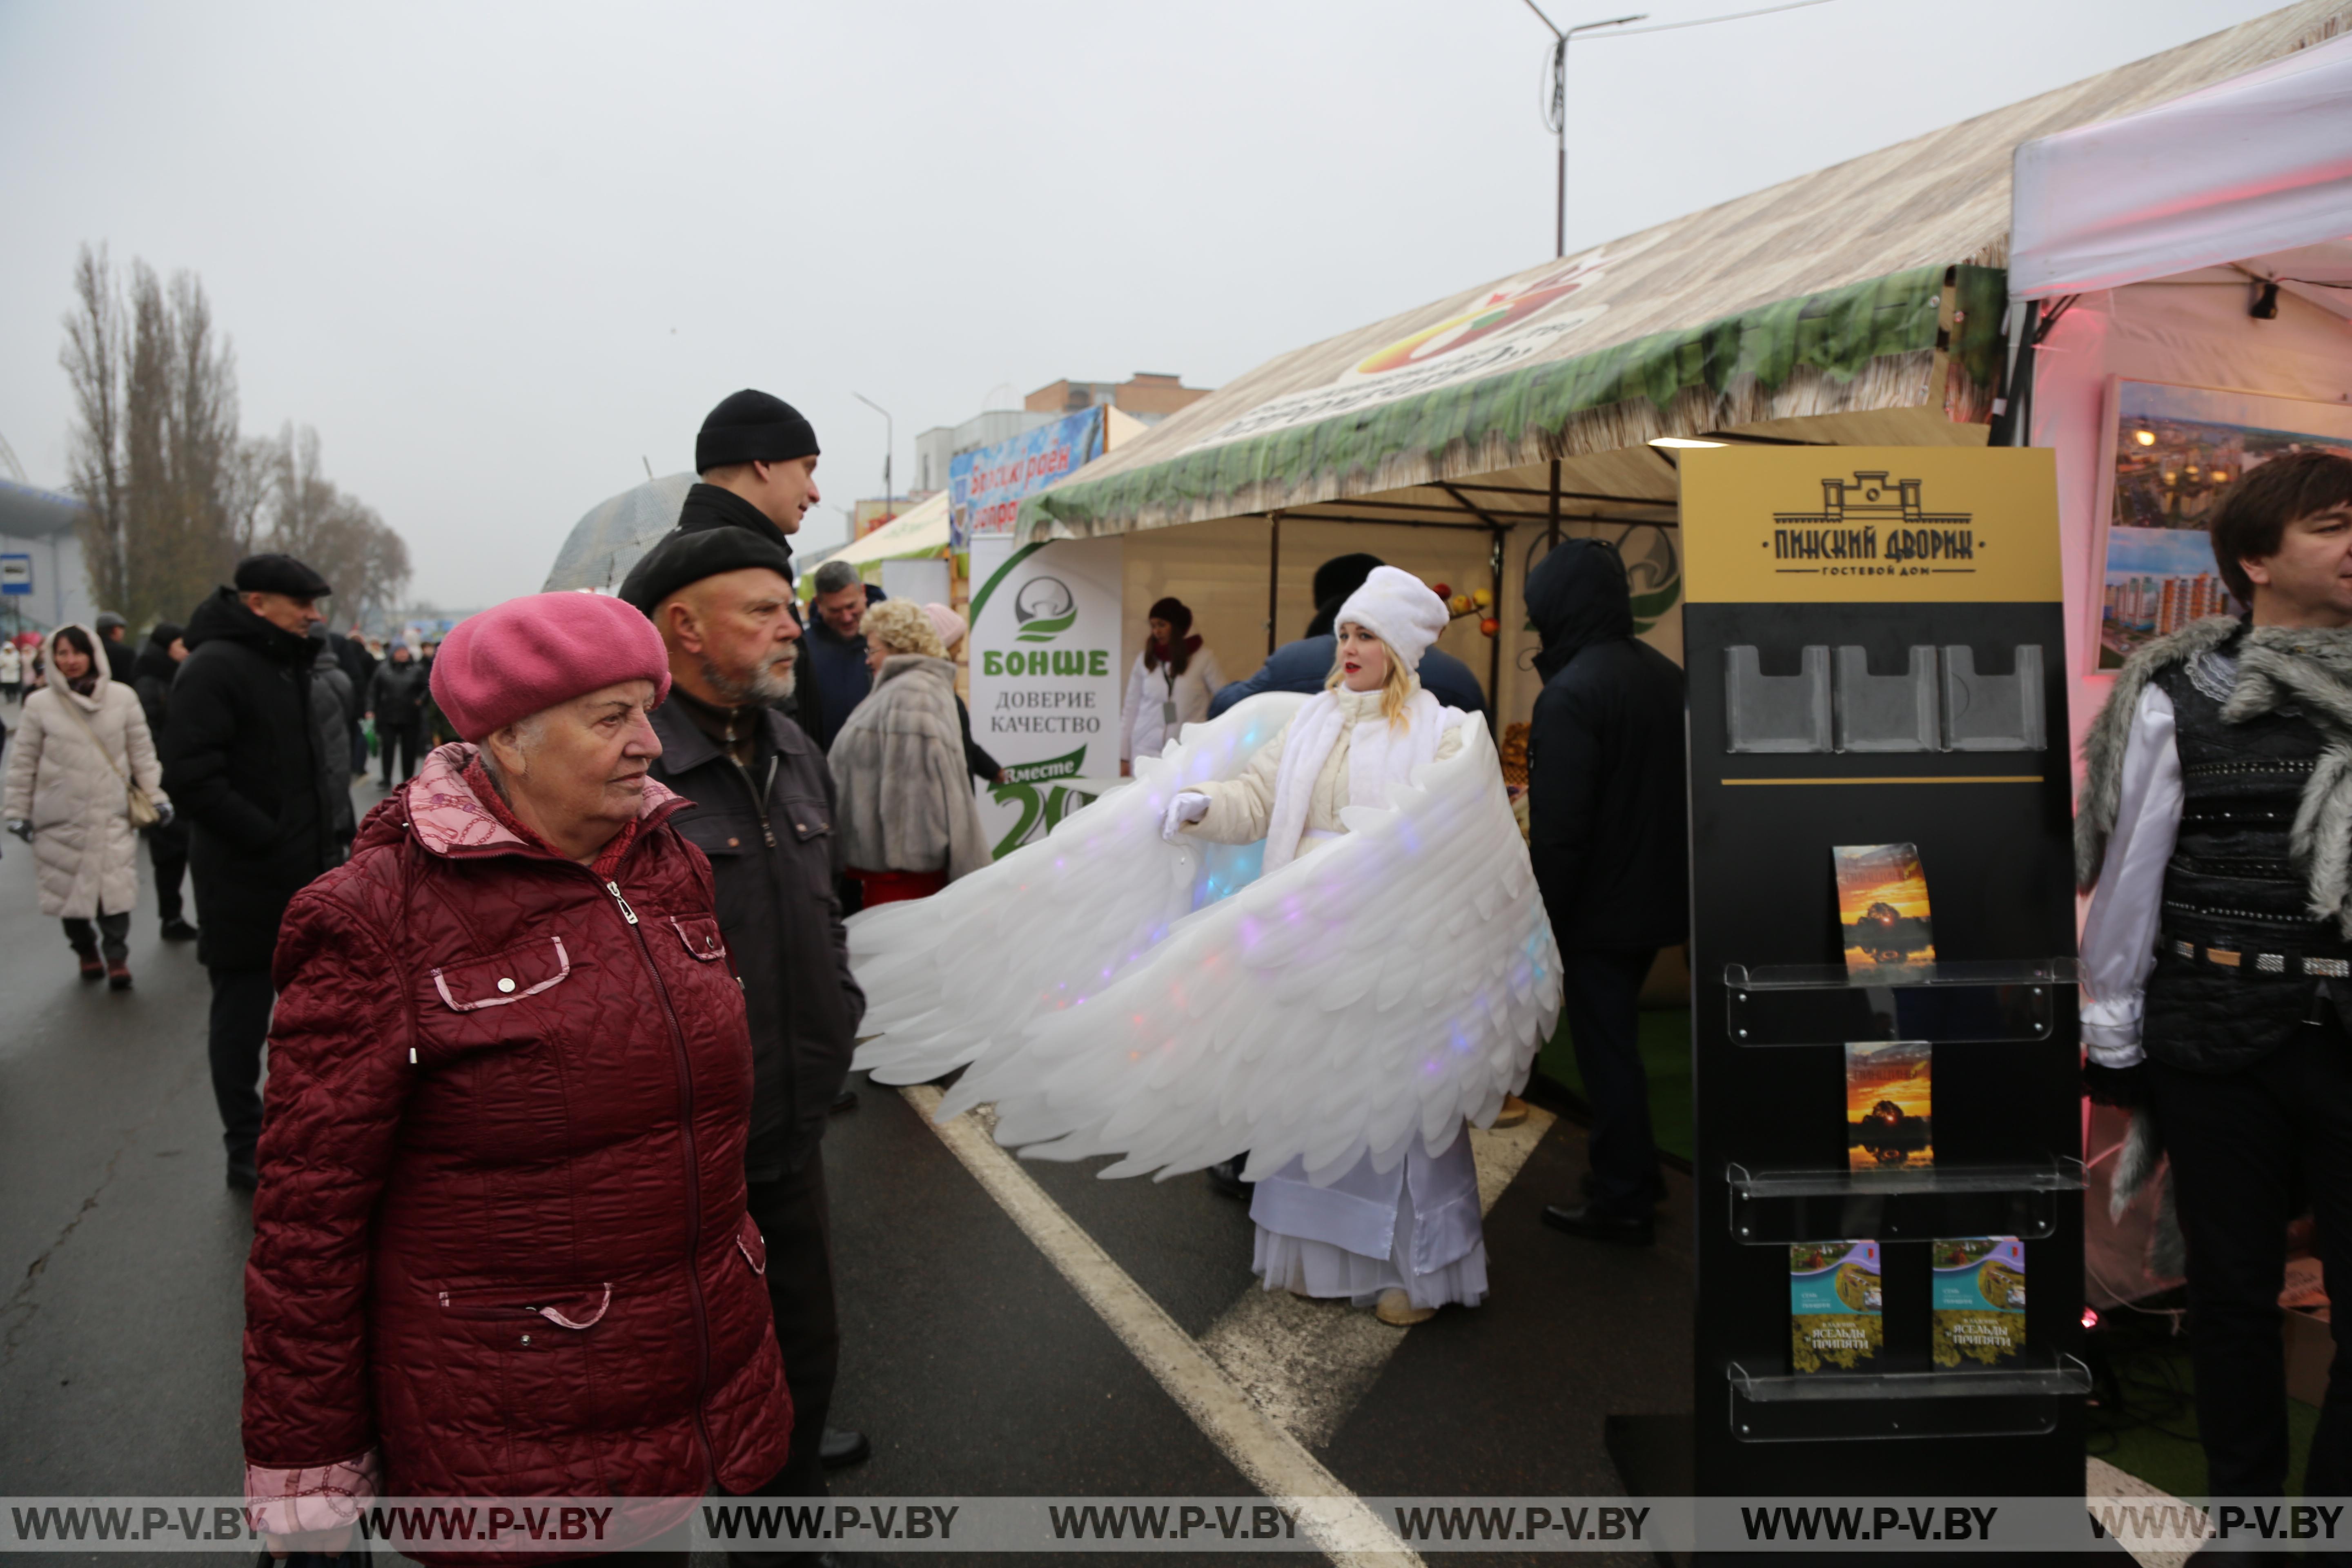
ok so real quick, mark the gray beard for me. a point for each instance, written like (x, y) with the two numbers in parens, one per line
(771, 682)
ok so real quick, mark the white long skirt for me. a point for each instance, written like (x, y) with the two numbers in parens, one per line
(1414, 1228)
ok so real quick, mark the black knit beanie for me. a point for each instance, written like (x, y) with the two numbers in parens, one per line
(752, 428)
(1174, 611)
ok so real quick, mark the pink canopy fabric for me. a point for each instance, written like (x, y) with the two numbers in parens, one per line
(2256, 171)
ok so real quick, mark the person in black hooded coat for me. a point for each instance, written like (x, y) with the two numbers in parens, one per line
(243, 762)
(167, 844)
(1609, 834)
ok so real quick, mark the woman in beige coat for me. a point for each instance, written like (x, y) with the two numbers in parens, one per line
(82, 743)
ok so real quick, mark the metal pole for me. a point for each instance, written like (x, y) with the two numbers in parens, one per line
(1495, 643)
(1273, 580)
(1555, 503)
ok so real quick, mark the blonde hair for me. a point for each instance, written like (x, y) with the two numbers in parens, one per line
(900, 625)
(1396, 688)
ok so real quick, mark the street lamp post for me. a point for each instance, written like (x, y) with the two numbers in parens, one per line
(1556, 111)
(889, 430)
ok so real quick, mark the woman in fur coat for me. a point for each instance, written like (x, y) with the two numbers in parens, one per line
(83, 742)
(908, 823)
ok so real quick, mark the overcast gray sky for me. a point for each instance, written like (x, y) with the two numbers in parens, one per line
(502, 255)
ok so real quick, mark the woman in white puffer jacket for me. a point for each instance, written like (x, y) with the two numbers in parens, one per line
(83, 742)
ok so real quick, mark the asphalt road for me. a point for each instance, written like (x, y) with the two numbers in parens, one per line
(969, 1358)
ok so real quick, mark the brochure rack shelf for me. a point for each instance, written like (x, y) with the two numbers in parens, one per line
(1771, 1207)
(2025, 1400)
(1964, 1003)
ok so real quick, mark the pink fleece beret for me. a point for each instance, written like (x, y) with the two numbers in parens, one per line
(534, 652)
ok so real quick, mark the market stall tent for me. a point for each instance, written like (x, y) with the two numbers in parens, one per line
(1862, 304)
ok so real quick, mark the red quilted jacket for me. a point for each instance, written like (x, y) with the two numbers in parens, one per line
(500, 1233)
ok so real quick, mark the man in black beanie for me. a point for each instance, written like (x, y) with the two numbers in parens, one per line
(756, 457)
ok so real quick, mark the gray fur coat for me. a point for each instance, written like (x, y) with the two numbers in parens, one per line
(906, 801)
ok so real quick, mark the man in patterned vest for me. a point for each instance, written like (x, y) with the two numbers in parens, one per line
(2216, 830)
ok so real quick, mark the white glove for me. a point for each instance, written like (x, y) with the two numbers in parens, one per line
(1188, 806)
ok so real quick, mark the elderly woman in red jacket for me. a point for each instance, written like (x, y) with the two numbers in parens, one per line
(499, 1245)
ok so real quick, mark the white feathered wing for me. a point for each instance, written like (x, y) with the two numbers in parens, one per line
(1379, 989)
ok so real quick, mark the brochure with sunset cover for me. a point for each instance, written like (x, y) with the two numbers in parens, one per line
(1979, 1299)
(1889, 1101)
(1835, 1317)
(1889, 935)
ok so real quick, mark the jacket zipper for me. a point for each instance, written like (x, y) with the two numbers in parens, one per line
(759, 797)
(693, 1187)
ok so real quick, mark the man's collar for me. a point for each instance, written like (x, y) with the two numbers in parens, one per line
(713, 506)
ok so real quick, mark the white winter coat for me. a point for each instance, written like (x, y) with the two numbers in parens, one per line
(85, 851)
(1143, 730)
(11, 665)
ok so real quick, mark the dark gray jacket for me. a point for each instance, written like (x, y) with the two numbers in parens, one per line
(768, 833)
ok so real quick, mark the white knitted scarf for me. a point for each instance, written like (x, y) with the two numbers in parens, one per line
(1380, 755)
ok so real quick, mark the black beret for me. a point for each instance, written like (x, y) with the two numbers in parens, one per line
(279, 574)
(685, 557)
(752, 428)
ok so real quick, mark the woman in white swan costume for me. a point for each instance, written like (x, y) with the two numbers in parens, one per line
(1366, 966)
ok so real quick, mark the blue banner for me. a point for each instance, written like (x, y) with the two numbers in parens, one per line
(985, 488)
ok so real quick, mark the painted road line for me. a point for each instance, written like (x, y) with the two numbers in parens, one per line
(2102, 1481)
(1271, 1459)
(1307, 1363)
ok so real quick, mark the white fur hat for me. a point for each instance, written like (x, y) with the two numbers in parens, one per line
(1398, 608)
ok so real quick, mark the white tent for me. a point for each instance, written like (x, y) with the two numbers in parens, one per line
(2255, 173)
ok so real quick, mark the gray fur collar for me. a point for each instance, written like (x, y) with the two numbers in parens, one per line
(2278, 668)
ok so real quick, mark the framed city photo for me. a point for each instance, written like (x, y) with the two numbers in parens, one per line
(2171, 450)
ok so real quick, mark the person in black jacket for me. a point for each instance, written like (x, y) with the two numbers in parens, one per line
(167, 844)
(836, 651)
(764, 809)
(113, 636)
(395, 701)
(1609, 834)
(359, 667)
(242, 762)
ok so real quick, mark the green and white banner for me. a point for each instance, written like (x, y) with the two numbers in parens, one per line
(1045, 679)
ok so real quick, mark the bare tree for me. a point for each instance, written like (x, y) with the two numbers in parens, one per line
(154, 439)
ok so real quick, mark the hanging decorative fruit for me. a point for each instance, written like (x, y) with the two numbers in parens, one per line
(1490, 625)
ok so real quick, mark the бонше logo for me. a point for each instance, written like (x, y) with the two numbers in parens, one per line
(1871, 526)
(1044, 609)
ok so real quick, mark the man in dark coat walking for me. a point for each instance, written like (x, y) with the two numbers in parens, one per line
(719, 591)
(1306, 665)
(114, 641)
(167, 843)
(243, 762)
(396, 700)
(1609, 834)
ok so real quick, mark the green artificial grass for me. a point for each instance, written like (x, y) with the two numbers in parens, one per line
(1667, 1055)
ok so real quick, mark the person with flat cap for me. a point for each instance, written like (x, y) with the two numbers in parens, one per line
(245, 764)
(719, 591)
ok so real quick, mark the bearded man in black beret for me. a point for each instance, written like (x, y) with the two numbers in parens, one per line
(719, 590)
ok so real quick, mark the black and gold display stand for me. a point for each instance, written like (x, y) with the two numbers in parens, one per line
(1875, 646)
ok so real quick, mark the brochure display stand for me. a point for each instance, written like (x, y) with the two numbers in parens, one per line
(1888, 1146)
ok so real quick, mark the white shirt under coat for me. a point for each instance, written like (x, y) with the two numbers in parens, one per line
(2127, 916)
(1144, 727)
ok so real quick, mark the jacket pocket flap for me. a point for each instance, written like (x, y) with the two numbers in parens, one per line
(717, 833)
(510, 976)
(567, 1307)
(701, 935)
(752, 1244)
